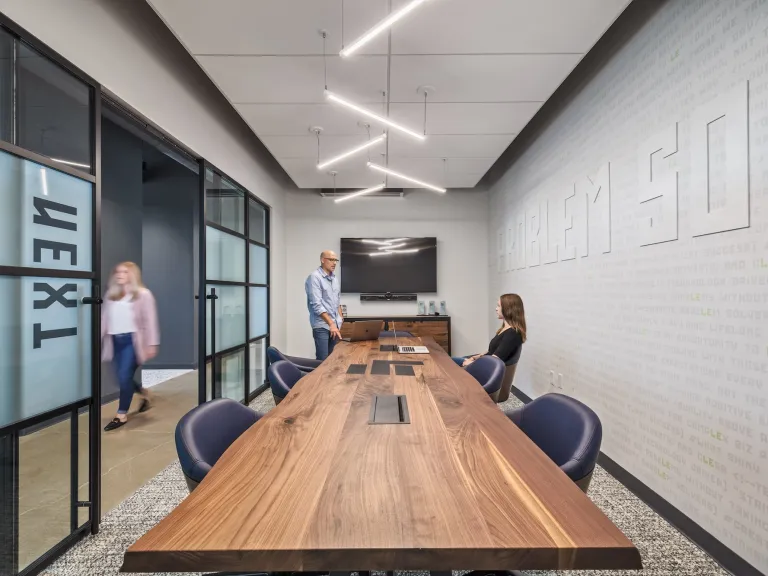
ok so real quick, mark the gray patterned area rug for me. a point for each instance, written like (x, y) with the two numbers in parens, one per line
(664, 550)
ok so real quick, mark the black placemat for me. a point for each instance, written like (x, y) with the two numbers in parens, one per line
(356, 369)
(404, 370)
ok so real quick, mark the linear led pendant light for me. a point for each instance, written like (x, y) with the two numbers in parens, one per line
(361, 192)
(404, 177)
(339, 100)
(380, 27)
(351, 152)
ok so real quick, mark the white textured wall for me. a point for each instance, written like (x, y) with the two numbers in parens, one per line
(118, 43)
(668, 342)
(459, 220)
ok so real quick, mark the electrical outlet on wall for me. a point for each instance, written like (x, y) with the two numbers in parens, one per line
(560, 381)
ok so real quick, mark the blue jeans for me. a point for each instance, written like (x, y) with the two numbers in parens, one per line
(459, 359)
(324, 344)
(125, 364)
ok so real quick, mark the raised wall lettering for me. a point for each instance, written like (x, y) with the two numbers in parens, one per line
(660, 186)
(732, 108)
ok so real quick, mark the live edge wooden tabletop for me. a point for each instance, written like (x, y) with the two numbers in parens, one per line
(312, 486)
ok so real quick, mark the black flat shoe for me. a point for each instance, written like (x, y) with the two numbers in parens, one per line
(115, 424)
(145, 405)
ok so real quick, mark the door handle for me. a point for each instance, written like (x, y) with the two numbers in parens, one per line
(92, 300)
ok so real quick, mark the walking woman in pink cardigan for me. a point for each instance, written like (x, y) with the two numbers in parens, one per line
(129, 334)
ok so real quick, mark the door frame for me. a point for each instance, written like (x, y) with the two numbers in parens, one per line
(202, 292)
(9, 475)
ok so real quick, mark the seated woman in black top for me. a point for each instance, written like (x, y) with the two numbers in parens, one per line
(506, 344)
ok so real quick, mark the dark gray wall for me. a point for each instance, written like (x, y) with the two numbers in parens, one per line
(168, 261)
(121, 212)
(148, 217)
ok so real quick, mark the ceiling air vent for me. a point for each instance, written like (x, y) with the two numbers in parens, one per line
(386, 193)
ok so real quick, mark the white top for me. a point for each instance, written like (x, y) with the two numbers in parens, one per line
(121, 316)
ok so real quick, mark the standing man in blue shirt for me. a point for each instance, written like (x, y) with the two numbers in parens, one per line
(324, 304)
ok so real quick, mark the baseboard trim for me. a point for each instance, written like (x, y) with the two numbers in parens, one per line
(181, 366)
(719, 552)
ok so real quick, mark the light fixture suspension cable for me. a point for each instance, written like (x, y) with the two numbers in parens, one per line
(368, 127)
(325, 62)
(342, 24)
(317, 133)
(425, 112)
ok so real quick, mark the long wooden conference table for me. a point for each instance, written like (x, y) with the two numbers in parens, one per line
(315, 485)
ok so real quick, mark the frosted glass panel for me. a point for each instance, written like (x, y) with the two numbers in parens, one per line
(230, 317)
(45, 220)
(257, 222)
(257, 351)
(233, 376)
(224, 202)
(258, 304)
(225, 256)
(257, 268)
(45, 357)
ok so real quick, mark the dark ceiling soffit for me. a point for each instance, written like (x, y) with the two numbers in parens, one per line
(629, 22)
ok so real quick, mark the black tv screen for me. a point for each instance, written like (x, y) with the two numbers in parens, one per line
(397, 265)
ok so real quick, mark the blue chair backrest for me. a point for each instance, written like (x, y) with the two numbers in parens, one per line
(274, 355)
(489, 371)
(282, 376)
(568, 431)
(204, 433)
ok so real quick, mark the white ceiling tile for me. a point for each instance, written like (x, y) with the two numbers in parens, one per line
(492, 63)
(480, 78)
(462, 146)
(267, 27)
(504, 26)
(304, 172)
(296, 119)
(330, 146)
(292, 79)
(458, 118)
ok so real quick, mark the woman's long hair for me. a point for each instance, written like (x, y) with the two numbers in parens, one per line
(133, 287)
(513, 313)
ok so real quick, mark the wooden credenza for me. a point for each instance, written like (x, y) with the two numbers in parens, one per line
(437, 327)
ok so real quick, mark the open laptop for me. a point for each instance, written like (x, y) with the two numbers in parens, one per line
(365, 330)
(408, 349)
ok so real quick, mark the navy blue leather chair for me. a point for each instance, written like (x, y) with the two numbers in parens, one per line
(204, 433)
(489, 371)
(282, 376)
(391, 334)
(568, 431)
(304, 364)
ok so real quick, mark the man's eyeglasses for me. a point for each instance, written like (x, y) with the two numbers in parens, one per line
(332, 259)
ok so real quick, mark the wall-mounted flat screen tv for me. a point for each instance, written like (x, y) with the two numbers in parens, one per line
(396, 265)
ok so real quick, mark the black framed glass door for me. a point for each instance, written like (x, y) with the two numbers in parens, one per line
(49, 296)
(234, 279)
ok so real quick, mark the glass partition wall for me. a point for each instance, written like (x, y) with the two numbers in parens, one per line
(236, 288)
(50, 296)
